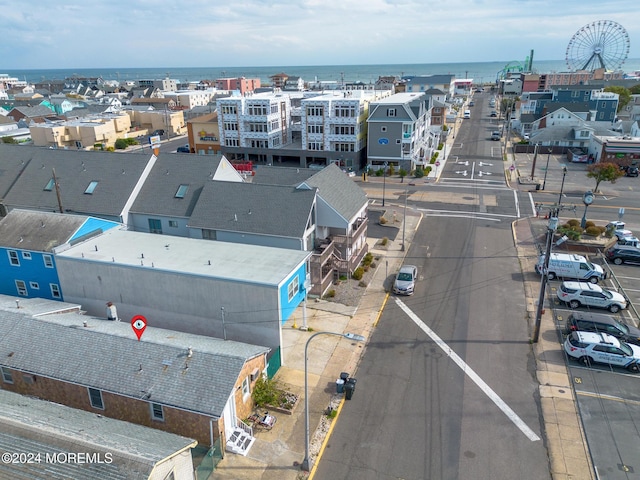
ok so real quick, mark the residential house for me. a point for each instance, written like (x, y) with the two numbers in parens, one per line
(278, 80)
(55, 432)
(188, 99)
(27, 239)
(189, 385)
(164, 103)
(422, 83)
(39, 113)
(99, 184)
(294, 83)
(165, 84)
(399, 132)
(338, 243)
(172, 190)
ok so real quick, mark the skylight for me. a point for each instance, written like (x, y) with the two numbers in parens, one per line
(49, 186)
(92, 186)
(182, 191)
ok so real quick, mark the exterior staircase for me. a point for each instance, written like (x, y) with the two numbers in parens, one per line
(240, 442)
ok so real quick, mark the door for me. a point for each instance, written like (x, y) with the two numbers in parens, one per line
(229, 416)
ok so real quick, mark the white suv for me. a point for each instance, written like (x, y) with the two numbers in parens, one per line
(576, 294)
(591, 347)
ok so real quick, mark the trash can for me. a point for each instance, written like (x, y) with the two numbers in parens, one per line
(344, 376)
(339, 385)
(538, 186)
(349, 388)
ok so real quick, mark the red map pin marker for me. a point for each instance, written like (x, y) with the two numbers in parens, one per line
(138, 323)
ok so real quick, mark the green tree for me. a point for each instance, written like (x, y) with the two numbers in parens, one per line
(121, 144)
(403, 173)
(604, 172)
(624, 95)
(635, 90)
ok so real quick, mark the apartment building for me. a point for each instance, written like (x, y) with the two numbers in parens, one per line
(399, 132)
(241, 84)
(297, 129)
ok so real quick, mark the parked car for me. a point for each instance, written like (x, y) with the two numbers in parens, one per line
(472, 103)
(569, 265)
(405, 280)
(577, 155)
(184, 149)
(576, 294)
(590, 347)
(629, 241)
(496, 135)
(620, 254)
(632, 171)
(601, 323)
(494, 113)
(157, 132)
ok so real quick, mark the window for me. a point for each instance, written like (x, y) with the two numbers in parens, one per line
(92, 186)
(48, 261)
(231, 142)
(157, 413)
(274, 124)
(259, 144)
(258, 127)
(274, 108)
(345, 130)
(314, 146)
(315, 128)
(49, 186)
(230, 126)
(34, 286)
(155, 226)
(21, 287)
(293, 288)
(344, 147)
(315, 111)
(55, 290)
(257, 110)
(245, 387)
(391, 112)
(229, 109)
(26, 255)
(173, 223)
(13, 258)
(345, 111)
(95, 397)
(7, 377)
(182, 191)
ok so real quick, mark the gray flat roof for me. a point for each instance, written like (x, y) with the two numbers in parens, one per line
(206, 258)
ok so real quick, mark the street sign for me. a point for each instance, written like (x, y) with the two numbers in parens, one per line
(512, 168)
(437, 164)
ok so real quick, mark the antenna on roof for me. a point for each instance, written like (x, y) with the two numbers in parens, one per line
(235, 217)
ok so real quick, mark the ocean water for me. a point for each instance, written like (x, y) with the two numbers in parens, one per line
(484, 72)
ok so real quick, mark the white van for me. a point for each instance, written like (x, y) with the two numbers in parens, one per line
(567, 265)
(467, 114)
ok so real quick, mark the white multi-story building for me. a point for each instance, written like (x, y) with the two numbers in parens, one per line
(259, 121)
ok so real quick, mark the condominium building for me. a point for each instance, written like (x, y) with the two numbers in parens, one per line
(297, 128)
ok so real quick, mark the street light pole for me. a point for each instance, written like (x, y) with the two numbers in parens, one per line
(384, 181)
(564, 173)
(544, 182)
(404, 219)
(305, 466)
(553, 225)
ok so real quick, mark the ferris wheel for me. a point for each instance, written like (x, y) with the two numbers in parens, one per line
(602, 44)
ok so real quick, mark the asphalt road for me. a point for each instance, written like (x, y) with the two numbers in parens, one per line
(446, 387)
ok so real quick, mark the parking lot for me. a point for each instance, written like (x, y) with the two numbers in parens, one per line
(608, 397)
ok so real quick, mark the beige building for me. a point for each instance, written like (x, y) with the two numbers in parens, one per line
(146, 121)
(204, 134)
(82, 133)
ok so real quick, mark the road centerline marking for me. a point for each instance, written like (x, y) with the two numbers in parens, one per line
(493, 396)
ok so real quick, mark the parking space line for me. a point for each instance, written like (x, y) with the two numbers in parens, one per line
(607, 397)
(493, 396)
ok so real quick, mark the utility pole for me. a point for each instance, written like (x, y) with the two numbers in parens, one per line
(535, 157)
(55, 183)
(553, 225)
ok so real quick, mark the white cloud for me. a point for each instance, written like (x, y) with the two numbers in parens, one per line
(149, 33)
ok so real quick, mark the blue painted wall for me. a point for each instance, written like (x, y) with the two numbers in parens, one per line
(38, 278)
(289, 306)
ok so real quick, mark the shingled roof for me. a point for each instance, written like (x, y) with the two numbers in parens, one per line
(108, 356)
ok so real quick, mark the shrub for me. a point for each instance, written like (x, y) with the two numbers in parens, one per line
(391, 169)
(419, 172)
(573, 222)
(343, 277)
(593, 231)
(368, 258)
(362, 284)
(374, 264)
(265, 392)
(379, 172)
(110, 149)
(9, 140)
(121, 144)
(427, 171)
(358, 273)
(384, 241)
(330, 293)
(402, 172)
(445, 128)
(365, 268)
(440, 145)
(383, 220)
(589, 224)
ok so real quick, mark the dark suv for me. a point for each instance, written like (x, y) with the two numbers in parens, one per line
(598, 322)
(632, 171)
(620, 254)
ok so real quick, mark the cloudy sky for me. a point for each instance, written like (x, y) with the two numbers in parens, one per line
(198, 33)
